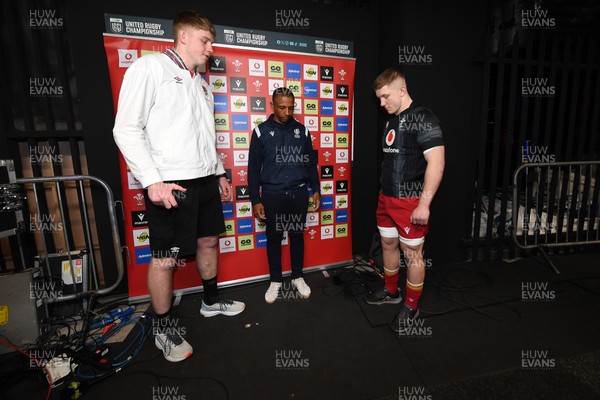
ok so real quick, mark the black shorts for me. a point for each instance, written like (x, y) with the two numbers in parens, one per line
(174, 232)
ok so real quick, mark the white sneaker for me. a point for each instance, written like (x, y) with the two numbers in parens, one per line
(302, 287)
(174, 347)
(272, 292)
(223, 306)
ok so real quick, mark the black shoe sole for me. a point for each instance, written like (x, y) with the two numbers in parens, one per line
(385, 301)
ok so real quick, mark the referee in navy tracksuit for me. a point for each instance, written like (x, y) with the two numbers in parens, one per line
(283, 164)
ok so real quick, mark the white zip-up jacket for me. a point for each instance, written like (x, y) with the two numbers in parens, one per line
(165, 125)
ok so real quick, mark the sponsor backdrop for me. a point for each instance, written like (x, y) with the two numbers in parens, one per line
(246, 67)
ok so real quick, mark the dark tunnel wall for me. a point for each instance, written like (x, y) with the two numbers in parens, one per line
(450, 36)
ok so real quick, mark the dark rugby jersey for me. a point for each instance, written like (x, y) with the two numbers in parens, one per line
(406, 137)
(280, 158)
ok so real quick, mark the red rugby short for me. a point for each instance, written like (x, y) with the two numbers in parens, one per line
(393, 220)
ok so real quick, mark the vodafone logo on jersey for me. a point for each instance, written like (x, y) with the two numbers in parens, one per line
(390, 137)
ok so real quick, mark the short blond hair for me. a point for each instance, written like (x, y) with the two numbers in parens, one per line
(189, 18)
(388, 77)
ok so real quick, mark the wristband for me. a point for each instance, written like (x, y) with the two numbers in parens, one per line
(221, 176)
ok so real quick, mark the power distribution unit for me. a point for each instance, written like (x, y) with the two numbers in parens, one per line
(21, 307)
(68, 271)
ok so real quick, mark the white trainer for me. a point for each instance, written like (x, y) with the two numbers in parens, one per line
(272, 292)
(174, 347)
(302, 287)
(222, 306)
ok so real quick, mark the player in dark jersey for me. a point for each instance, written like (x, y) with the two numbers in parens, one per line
(412, 169)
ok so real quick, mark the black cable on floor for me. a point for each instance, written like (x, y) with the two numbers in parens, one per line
(445, 286)
(158, 378)
(572, 282)
(357, 286)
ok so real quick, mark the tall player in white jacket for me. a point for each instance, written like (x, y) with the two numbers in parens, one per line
(165, 130)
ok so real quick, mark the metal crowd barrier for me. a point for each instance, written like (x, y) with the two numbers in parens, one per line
(556, 205)
(86, 230)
